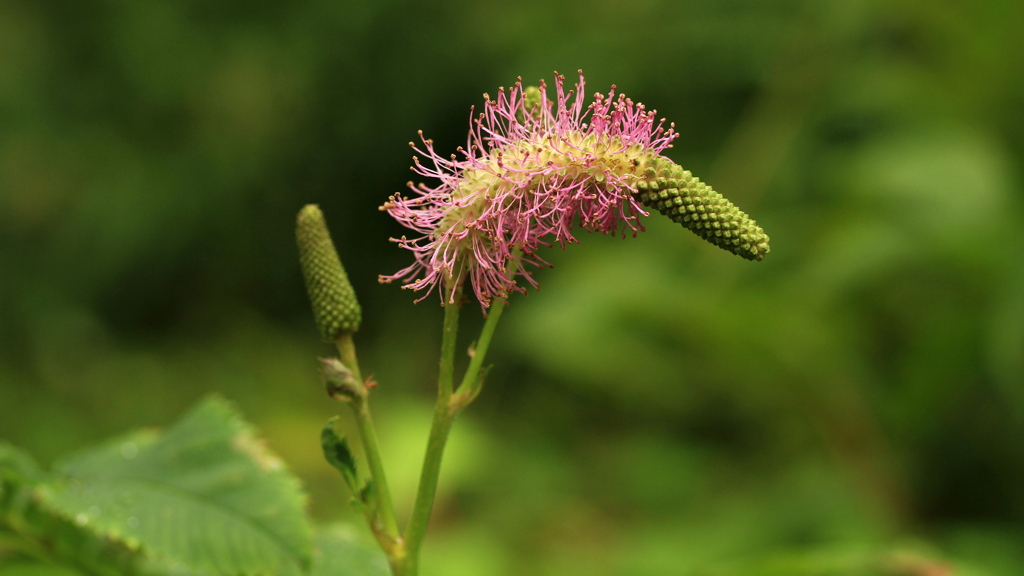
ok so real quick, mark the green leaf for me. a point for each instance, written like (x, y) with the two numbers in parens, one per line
(35, 569)
(29, 531)
(204, 498)
(18, 474)
(339, 552)
(17, 465)
(339, 455)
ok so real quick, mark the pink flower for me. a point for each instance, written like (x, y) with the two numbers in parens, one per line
(533, 169)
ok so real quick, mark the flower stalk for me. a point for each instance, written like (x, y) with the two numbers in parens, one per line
(449, 405)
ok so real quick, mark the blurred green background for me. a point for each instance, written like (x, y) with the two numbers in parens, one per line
(852, 405)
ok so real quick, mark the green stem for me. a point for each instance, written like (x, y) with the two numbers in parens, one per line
(347, 352)
(471, 382)
(447, 407)
(444, 416)
(446, 374)
(386, 510)
(388, 525)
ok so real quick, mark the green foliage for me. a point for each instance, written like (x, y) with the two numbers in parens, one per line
(339, 455)
(205, 497)
(16, 466)
(339, 552)
(35, 569)
(30, 532)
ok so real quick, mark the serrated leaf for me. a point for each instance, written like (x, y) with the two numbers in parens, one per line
(29, 531)
(204, 498)
(340, 552)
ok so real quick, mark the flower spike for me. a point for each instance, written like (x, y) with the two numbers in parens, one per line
(334, 301)
(679, 195)
(533, 169)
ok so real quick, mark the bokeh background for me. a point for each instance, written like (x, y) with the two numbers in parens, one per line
(854, 404)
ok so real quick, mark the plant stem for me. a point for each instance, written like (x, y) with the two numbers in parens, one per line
(347, 352)
(447, 408)
(388, 525)
(471, 381)
(446, 374)
(444, 416)
(386, 511)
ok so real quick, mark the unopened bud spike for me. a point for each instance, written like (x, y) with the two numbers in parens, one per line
(676, 193)
(334, 301)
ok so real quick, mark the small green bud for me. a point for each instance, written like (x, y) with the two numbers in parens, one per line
(340, 382)
(334, 301)
(532, 98)
(679, 195)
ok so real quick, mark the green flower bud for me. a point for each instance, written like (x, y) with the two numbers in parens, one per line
(340, 382)
(532, 99)
(334, 301)
(676, 193)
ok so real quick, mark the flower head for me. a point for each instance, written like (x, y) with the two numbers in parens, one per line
(535, 168)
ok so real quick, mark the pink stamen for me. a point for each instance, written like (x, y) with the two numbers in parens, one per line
(498, 194)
